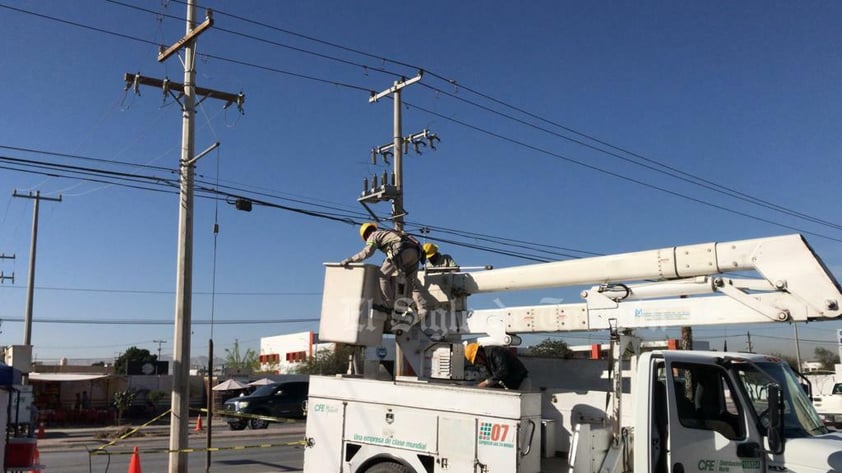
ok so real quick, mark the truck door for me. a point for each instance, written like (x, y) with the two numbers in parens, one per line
(706, 422)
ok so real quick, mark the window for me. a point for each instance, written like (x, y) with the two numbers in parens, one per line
(704, 400)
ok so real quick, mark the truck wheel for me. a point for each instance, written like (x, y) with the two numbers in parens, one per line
(256, 424)
(237, 425)
(389, 467)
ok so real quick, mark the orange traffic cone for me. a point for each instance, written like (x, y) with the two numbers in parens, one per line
(36, 462)
(134, 465)
(199, 424)
(41, 432)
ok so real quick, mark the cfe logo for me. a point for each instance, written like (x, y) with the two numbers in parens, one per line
(707, 465)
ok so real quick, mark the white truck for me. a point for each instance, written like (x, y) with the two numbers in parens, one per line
(685, 411)
(829, 406)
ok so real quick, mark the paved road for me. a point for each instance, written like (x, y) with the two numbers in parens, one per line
(68, 452)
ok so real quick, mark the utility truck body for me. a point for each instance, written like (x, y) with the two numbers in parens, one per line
(685, 411)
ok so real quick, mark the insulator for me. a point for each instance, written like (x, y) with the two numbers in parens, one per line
(394, 180)
(373, 156)
(385, 178)
(215, 228)
(365, 185)
(374, 181)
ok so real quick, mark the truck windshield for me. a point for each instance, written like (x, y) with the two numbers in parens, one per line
(800, 418)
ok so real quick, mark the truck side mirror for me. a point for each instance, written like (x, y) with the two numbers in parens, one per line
(775, 432)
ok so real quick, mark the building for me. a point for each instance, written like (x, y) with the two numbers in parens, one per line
(283, 354)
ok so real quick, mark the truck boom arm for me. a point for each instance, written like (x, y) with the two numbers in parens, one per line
(787, 262)
(685, 287)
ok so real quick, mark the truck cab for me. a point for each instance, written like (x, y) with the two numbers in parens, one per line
(711, 411)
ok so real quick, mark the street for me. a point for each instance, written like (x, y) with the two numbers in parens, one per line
(257, 452)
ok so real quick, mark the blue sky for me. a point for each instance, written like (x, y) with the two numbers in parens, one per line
(742, 94)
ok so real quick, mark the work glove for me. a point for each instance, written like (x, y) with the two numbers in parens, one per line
(344, 263)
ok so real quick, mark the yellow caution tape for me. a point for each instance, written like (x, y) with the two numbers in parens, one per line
(132, 431)
(297, 443)
(280, 420)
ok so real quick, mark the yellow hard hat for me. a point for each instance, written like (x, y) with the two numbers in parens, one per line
(365, 228)
(430, 249)
(471, 351)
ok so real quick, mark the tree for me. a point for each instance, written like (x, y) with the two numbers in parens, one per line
(132, 355)
(551, 348)
(122, 401)
(827, 358)
(235, 359)
(327, 361)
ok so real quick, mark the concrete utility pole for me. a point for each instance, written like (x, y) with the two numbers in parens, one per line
(180, 416)
(30, 290)
(393, 190)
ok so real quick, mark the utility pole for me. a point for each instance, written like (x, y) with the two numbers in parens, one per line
(748, 342)
(159, 342)
(180, 415)
(392, 189)
(30, 290)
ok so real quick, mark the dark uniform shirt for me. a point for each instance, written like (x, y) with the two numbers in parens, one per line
(504, 368)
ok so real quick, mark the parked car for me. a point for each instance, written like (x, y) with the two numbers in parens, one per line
(286, 399)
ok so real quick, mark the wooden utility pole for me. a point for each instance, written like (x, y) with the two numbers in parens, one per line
(180, 416)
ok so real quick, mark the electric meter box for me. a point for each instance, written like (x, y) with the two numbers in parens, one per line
(348, 300)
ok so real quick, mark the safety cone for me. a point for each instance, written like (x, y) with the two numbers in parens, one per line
(199, 424)
(36, 462)
(134, 465)
(41, 432)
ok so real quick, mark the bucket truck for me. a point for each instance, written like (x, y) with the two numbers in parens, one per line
(686, 411)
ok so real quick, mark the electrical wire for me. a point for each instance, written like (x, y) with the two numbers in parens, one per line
(452, 82)
(614, 174)
(148, 321)
(661, 167)
(163, 292)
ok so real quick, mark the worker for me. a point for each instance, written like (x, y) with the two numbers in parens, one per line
(436, 259)
(403, 254)
(504, 368)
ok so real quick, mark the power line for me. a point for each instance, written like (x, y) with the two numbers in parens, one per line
(614, 174)
(162, 292)
(147, 321)
(353, 218)
(662, 167)
(729, 192)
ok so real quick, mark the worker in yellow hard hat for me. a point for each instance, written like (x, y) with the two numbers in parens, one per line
(436, 259)
(403, 254)
(504, 368)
